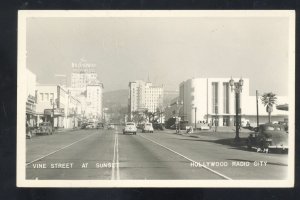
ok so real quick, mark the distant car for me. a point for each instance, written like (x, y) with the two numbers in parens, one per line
(147, 128)
(269, 136)
(203, 126)
(91, 125)
(83, 125)
(45, 128)
(100, 125)
(110, 126)
(130, 127)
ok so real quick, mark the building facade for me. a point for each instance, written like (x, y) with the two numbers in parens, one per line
(31, 118)
(211, 100)
(94, 100)
(83, 73)
(86, 87)
(56, 105)
(144, 96)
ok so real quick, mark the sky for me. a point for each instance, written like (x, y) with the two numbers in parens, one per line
(168, 50)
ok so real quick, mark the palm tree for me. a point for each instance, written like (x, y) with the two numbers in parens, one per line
(269, 99)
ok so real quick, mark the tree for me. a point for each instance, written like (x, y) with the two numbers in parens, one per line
(269, 99)
(138, 117)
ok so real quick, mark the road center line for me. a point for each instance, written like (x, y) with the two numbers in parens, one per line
(115, 171)
(59, 149)
(114, 160)
(203, 166)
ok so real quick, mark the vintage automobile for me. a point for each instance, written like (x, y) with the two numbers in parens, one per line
(100, 125)
(111, 126)
(130, 127)
(203, 126)
(269, 136)
(45, 128)
(147, 128)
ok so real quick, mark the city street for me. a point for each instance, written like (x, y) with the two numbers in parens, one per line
(163, 155)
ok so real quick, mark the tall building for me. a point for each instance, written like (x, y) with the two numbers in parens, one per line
(83, 73)
(211, 98)
(94, 100)
(86, 87)
(144, 96)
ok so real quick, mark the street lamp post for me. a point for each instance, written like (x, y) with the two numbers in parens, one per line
(237, 88)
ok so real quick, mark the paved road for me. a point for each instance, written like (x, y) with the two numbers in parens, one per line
(108, 154)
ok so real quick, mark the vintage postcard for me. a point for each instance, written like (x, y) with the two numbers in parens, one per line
(156, 99)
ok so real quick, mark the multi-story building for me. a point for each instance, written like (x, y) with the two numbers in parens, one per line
(86, 87)
(83, 73)
(144, 96)
(94, 100)
(31, 98)
(208, 99)
(57, 105)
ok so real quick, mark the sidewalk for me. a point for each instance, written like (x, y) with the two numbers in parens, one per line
(224, 135)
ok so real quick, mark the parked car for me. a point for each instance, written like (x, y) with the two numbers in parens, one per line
(83, 125)
(203, 126)
(45, 128)
(147, 128)
(130, 127)
(269, 136)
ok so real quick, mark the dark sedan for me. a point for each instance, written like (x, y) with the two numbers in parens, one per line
(269, 136)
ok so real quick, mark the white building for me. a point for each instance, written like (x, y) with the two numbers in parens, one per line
(212, 99)
(144, 96)
(94, 100)
(86, 87)
(31, 97)
(83, 73)
(57, 105)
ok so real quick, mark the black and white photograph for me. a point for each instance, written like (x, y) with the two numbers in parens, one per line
(156, 98)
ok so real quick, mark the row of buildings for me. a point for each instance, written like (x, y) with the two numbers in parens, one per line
(209, 100)
(65, 107)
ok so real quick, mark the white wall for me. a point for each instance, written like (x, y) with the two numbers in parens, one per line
(198, 92)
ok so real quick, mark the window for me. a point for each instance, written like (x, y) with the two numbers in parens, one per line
(226, 98)
(215, 97)
(42, 96)
(46, 97)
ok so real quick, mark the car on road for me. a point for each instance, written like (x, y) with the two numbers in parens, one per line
(269, 136)
(45, 128)
(130, 127)
(110, 127)
(100, 125)
(83, 125)
(147, 128)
